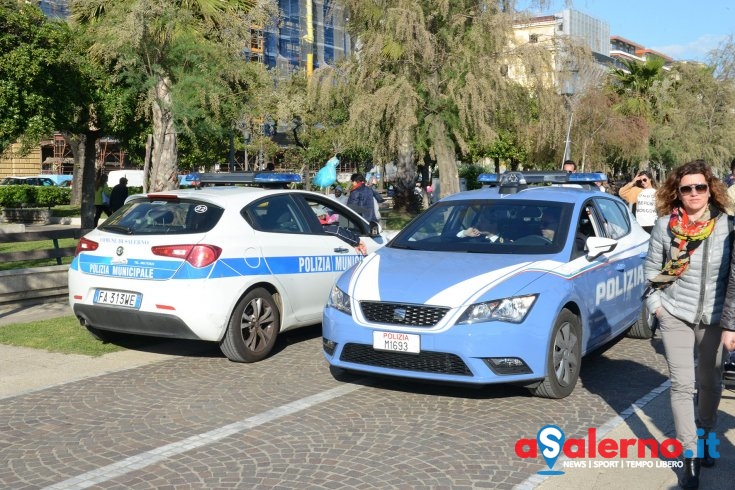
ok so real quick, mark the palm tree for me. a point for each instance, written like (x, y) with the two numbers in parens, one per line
(634, 81)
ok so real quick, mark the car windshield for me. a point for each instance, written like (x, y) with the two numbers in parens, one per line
(170, 216)
(489, 226)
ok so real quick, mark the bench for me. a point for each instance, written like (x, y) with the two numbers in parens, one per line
(50, 252)
(34, 285)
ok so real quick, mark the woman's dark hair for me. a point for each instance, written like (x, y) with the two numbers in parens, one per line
(648, 174)
(667, 196)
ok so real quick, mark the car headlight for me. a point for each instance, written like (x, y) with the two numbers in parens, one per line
(340, 300)
(513, 310)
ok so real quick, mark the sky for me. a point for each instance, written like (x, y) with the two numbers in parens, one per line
(681, 29)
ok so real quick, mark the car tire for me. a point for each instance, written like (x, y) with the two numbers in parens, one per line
(641, 329)
(564, 358)
(253, 328)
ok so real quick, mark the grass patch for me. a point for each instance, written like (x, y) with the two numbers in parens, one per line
(395, 220)
(62, 334)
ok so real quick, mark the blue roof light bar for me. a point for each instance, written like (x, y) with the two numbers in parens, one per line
(509, 178)
(250, 178)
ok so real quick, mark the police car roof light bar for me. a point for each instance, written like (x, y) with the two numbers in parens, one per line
(249, 178)
(537, 177)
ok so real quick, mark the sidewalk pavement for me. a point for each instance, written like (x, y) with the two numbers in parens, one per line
(25, 370)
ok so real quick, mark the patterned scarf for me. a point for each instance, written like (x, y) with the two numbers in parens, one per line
(688, 235)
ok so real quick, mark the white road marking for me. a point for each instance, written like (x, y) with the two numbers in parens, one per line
(162, 453)
(534, 480)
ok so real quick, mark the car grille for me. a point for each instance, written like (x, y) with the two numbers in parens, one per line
(425, 362)
(402, 314)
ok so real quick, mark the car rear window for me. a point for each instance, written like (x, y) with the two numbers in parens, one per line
(156, 217)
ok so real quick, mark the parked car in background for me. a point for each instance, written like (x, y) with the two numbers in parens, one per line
(42, 181)
(230, 264)
(11, 181)
(505, 284)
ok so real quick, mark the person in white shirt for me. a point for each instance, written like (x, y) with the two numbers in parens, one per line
(645, 205)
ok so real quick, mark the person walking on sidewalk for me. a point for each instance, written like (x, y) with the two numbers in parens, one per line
(687, 295)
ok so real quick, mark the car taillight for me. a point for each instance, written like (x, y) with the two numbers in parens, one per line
(196, 255)
(85, 245)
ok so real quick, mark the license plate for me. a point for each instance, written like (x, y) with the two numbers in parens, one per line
(117, 298)
(397, 342)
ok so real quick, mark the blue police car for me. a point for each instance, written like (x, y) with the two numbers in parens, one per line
(511, 283)
(233, 264)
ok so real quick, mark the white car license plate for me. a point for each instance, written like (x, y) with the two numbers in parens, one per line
(397, 342)
(117, 298)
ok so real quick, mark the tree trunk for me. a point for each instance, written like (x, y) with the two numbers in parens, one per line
(164, 171)
(85, 156)
(447, 162)
(78, 174)
(404, 197)
(147, 163)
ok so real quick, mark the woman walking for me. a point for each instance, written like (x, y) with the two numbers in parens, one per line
(687, 268)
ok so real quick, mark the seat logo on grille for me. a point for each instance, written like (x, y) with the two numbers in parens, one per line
(399, 315)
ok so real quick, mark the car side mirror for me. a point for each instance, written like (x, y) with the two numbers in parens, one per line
(597, 246)
(375, 229)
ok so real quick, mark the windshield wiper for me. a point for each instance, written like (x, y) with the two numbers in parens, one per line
(402, 247)
(118, 228)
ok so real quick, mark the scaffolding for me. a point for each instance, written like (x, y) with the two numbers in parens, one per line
(110, 154)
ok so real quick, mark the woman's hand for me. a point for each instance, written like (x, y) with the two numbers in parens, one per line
(728, 339)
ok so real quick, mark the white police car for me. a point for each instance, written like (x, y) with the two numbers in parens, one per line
(505, 284)
(231, 264)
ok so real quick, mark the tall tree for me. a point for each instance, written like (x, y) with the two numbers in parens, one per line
(187, 54)
(48, 85)
(429, 79)
(694, 116)
(36, 84)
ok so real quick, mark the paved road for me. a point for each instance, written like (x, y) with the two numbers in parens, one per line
(200, 421)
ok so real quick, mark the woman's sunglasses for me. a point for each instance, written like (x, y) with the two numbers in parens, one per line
(687, 189)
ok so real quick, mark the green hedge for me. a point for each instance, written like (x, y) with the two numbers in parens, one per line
(16, 196)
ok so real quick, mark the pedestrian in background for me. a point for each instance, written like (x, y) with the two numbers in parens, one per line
(101, 198)
(569, 166)
(687, 296)
(118, 194)
(361, 198)
(645, 204)
(729, 179)
(630, 191)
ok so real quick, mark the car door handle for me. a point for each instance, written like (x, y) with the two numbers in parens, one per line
(341, 250)
(620, 267)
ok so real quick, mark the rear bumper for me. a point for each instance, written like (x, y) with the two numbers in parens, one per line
(133, 321)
